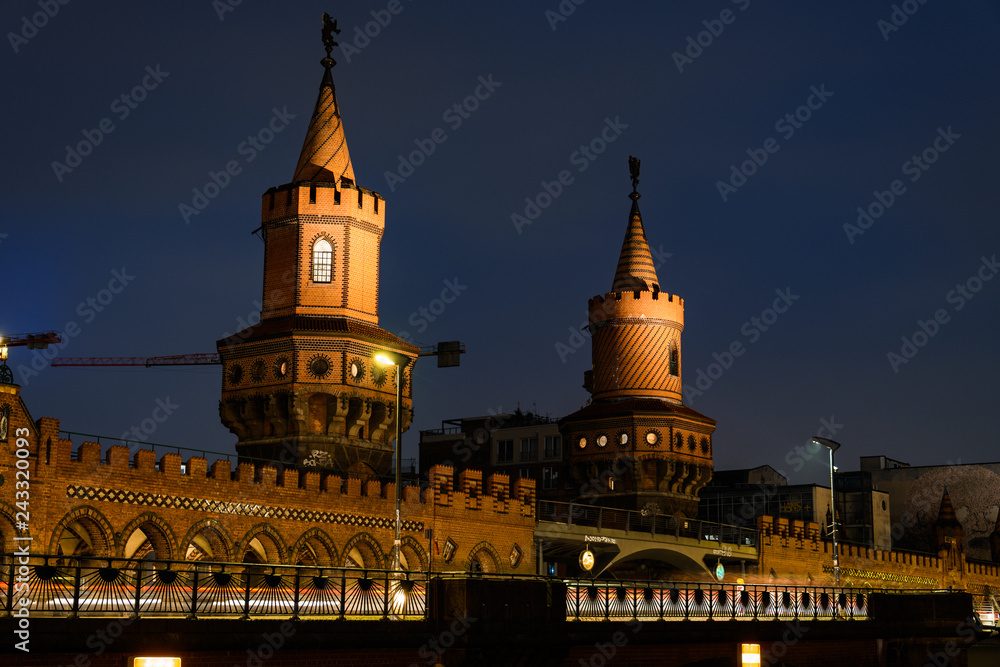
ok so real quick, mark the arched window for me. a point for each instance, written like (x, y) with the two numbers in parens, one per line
(322, 261)
(674, 360)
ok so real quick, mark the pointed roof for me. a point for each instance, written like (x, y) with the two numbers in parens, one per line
(636, 271)
(946, 515)
(324, 154)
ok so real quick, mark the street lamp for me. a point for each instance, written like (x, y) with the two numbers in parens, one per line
(400, 361)
(832, 446)
(6, 376)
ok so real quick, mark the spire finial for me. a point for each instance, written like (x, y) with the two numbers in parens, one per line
(329, 28)
(633, 168)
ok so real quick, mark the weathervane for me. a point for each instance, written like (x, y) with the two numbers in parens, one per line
(633, 168)
(329, 28)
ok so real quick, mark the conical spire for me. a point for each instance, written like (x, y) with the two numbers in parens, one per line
(636, 271)
(946, 515)
(324, 154)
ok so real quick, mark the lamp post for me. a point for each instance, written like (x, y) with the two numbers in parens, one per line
(399, 361)
(832, 446)
(6, 376)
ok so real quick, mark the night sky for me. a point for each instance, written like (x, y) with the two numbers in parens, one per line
(761, 130)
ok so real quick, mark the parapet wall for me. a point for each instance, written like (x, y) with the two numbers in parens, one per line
(794, 551)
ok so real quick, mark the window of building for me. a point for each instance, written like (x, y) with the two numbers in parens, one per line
(322, 262)
(553, 446)
(529, 449)
(525, 473)
(505, 451)
(550, 478)
(674, 361)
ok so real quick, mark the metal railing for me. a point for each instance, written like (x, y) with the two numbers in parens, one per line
(588, 600)
(575, 514)
(61, 586)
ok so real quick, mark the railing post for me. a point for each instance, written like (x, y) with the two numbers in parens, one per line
(295, 609)
(194, 594)
(138, 587)
(343, 591)
(569, 519)
(600, 518)
(246, 593)
(385, 597)
(10, 587)
(76, 591)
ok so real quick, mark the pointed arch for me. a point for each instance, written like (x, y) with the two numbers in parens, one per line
(263, 543)
(148, 527)
(484, 558)
(413, 557)
(314, 547)
(83, 531)
(7, 532)
(363, 551)
(322, 261)
(207, 540)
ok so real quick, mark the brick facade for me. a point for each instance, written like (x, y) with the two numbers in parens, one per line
(86, 503)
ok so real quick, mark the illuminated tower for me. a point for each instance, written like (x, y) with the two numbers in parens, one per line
(636, 445)
(302, 386)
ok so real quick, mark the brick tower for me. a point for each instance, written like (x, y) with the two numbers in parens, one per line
(636, 445)
(302, 386)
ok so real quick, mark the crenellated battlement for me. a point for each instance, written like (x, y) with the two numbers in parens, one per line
(142, 469)
(654, 307)
(323, 199)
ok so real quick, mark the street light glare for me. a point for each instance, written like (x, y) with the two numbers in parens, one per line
(384, 360)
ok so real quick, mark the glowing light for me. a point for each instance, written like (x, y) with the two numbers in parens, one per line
(750, 654)
(384, 360)
(156, 662)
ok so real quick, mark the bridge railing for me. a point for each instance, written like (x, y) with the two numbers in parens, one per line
(589, 600)
(593, 516)
(67, 586)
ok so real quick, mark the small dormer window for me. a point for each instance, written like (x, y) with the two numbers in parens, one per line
(322, 262)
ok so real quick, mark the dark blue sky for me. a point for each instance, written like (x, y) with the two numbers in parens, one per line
(878, 97)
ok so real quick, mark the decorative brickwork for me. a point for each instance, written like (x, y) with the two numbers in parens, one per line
(117, 505)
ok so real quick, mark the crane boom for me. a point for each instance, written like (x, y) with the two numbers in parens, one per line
(173, 360)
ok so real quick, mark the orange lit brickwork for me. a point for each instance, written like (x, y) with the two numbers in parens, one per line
(636, 445)
(303, 386)
(634, 335)
(116, 507)
(793, 552)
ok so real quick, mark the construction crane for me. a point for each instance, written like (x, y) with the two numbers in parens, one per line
(173, 360)
(446, 352)
(31, 341)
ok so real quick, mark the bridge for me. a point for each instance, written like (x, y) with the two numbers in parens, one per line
(41, 586)
(614, 536)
